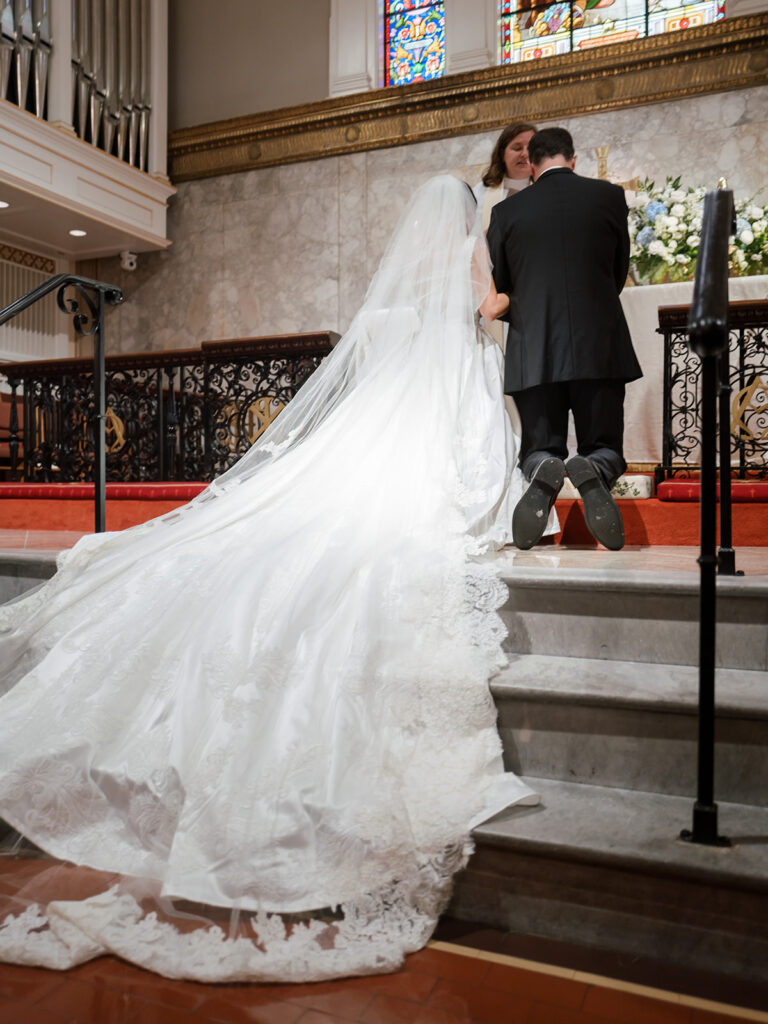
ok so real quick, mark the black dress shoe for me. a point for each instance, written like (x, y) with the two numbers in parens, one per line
(529, 520)
(600, 510)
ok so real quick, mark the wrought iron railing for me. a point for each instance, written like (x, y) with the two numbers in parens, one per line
(745, 379)
(179, 415)
(86, 302)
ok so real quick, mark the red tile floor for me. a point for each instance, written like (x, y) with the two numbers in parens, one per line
(446, 983)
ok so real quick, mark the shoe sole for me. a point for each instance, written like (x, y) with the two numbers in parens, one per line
(529, 520)
(601, 512)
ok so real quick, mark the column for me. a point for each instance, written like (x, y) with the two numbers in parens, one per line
(354, 63)
(158, 90)
(60, 66)
(470, 35)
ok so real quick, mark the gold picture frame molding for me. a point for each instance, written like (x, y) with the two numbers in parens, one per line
(732, 54)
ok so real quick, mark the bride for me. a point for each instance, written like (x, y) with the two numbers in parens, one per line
(252, 736)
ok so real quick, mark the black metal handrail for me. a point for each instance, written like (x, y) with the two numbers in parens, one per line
(708, 333)
(87, 310)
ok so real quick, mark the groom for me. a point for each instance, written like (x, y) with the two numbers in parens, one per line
(560, 251)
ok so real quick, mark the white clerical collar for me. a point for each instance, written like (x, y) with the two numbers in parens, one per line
(514, 184)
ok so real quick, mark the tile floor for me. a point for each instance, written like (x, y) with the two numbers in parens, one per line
(442, 984)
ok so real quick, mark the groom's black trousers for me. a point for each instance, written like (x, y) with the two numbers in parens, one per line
(598, 415)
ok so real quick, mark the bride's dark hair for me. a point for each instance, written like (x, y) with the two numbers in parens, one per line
(495, 171)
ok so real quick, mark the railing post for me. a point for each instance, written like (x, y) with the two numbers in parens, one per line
(171, 426)
(708, 331)
(207, 421)
(99, 421)
(726, 556)
(13, 429)
(666, 427)
(160, 425)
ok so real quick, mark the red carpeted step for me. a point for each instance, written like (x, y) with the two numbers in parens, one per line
(688, 490)
(652, 521)
(162, 490)
(70, 507)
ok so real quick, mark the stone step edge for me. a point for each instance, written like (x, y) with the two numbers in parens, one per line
(29, 556)
(565, 851)
(507, 686)
(629, 581)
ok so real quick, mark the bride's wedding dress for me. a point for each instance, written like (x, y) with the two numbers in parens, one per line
(274, 701)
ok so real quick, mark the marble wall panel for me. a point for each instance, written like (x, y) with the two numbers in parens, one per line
(292, 248)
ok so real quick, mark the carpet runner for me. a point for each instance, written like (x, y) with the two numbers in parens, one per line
(647, 521)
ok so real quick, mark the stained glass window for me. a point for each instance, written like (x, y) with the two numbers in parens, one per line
(414, 41)
(531, 29)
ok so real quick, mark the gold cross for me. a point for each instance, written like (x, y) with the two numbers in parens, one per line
(602, 170)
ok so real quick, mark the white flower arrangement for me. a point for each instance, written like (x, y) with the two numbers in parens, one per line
(665, 227)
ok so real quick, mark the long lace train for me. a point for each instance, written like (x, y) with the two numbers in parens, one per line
(261, 726)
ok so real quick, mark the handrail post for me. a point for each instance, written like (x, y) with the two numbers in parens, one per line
(13, 429)
(99, 422)
(172, 426)
(708, 333)
(726, 556)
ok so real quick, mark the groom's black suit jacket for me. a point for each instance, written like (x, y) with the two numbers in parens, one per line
(560, 250)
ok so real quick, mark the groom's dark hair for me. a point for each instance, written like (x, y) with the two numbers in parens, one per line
(550, 142)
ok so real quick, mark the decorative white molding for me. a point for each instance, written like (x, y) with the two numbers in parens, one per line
(470, 35)
(354, 60)
(54, 165)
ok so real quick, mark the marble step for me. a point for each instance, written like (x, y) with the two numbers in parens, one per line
(22, 569)
(631, 615)
(631, 725)
(605, 868)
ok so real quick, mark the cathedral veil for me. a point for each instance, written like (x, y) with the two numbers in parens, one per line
(252, 736)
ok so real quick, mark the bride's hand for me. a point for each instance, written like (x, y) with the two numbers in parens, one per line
(494, 304)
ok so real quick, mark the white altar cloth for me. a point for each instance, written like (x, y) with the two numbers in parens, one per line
(643, 408)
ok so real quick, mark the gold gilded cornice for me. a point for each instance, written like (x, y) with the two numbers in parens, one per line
(732, 54)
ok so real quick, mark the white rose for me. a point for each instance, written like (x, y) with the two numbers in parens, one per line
(740, 258)
(746, 237)
(693, 241)
(759, 226)
(657, 248)
(755, 213)
(755, 257)
(678, 195)
(678, 210)
(696, 224)
(683, 259)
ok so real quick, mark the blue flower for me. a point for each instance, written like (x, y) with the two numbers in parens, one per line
(742, 225)
(653, 210)
(646, 236)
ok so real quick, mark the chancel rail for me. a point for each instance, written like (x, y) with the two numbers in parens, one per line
(746, 383)
(185, 414)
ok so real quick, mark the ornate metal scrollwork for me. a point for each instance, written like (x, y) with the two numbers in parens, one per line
(86, 320)
(169, 415)
(747, 383)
